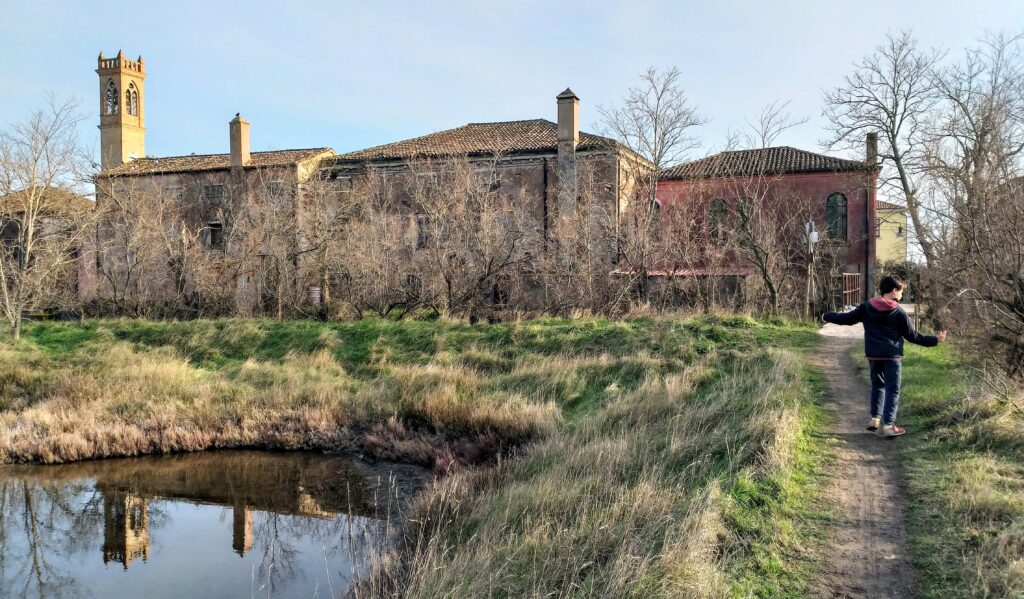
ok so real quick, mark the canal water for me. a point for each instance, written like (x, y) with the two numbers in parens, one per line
(211, 524)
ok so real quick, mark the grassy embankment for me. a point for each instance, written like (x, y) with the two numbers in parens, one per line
(964, 464)
(650, 457)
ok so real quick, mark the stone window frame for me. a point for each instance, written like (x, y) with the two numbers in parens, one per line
(275, 189)
(215, 191)
(111, 104)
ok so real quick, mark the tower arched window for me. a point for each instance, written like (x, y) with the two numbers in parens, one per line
(716, 220)
(110, 105)
(835, 216)
(131, 100)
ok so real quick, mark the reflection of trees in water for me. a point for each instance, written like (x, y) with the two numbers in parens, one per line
(280, 506)
(37, 524)
(45, 524)
(343, 539)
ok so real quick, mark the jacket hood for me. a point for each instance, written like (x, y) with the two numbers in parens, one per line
(883, 305)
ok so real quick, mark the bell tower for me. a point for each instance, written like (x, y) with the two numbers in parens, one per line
(122, 109)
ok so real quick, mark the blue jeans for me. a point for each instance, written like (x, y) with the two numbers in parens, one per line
(885, 385)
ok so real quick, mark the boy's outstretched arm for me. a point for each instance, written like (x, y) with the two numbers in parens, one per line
(845, 318)
(906, 327)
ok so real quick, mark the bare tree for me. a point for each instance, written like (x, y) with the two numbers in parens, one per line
(42, 220)
(773, 120)
(891, 92)
(656, 121)
(975, 160)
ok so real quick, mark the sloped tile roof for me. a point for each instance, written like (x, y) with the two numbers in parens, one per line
(53, 200)
(535, 135)
(211, 162)
(766, 161)
(890, 206)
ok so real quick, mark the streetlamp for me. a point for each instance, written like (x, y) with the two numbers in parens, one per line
(811, 235)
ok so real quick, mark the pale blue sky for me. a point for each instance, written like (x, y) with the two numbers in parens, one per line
(354, 74)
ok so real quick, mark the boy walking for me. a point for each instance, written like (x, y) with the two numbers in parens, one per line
(886, 325)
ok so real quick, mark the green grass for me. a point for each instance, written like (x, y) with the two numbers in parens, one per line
(635, 458)
(964, 464)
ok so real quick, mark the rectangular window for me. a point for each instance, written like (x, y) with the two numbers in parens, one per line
(426, 178)
(174, 193)
(341, 186)
(213, 192)
(489, 178)
(422, 231)
(215, 235)
(275, 189)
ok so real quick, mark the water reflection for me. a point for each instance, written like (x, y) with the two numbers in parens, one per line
(215, 524)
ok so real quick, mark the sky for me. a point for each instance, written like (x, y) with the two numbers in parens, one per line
(350, 75)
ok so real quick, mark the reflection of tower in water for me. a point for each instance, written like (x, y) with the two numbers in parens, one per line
(125, 527)
(241, 529)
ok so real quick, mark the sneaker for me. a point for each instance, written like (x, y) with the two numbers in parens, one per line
(893, 431)
(875, 424)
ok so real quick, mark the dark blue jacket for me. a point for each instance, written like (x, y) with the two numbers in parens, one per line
(886, 325)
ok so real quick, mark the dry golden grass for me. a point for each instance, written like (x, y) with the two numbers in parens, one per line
(965, 468)
(627, 459)
(627, 502)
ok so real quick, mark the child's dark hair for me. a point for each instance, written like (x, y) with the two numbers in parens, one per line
(890, 283)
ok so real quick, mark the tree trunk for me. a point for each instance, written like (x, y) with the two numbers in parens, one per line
(16, 326)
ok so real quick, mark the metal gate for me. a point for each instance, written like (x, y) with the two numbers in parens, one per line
(851, 289)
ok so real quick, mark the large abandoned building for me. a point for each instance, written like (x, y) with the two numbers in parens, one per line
(537, 163)
(252, 219)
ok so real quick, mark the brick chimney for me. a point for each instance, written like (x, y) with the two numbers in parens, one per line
(239, 129)
(871, 154)
(568, 137)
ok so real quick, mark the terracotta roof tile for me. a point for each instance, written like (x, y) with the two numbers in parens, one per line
(890, 206)
(53, 200)
(767, 161)
(210, 162)
(478, 138)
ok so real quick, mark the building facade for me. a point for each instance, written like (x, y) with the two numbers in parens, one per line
(789, 188)
(891, 232)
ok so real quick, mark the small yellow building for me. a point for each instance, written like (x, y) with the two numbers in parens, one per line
(891, 233)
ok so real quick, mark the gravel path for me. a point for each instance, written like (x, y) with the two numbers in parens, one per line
(868, 555)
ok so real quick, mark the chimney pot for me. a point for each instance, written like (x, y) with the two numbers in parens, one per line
(239, 132)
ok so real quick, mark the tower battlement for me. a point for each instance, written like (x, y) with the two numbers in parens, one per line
(120, 62)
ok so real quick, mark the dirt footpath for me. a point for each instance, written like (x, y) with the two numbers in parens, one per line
(867, 554)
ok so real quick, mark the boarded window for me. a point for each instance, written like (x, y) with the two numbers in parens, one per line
(214, 192)
(835, 216)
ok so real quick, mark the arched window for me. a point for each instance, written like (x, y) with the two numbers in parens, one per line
(656, 219)
(716, 220)
(131, 100)
(835, 216)
(745, 211)
(110, 106)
